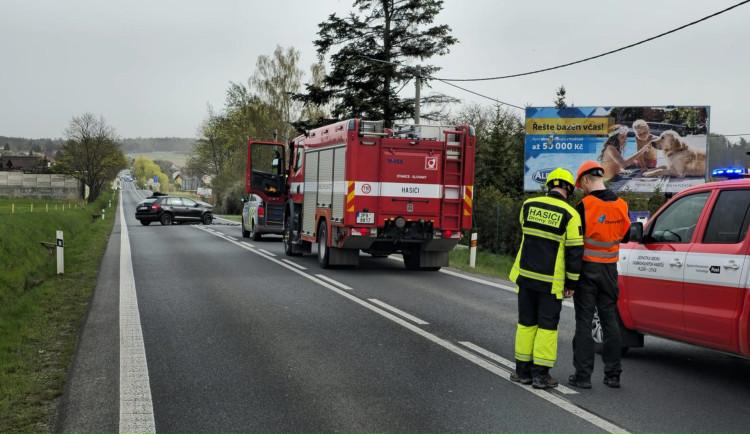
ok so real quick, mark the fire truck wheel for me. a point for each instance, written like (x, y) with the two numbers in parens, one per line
(323, 251)
(288, 246)
(411, 260)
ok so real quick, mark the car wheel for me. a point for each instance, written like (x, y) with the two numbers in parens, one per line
(166, 219)
(145, 222)
(207, 219)
(245, 233)
(323, 250)
(255, 234)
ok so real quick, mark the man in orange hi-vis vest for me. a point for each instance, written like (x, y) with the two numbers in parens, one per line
(605, 223)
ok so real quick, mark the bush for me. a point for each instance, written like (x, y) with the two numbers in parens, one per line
(228, 201)
(496, 215)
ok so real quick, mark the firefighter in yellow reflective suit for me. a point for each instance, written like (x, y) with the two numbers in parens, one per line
(546, 270)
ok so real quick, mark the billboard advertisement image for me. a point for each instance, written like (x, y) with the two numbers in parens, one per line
(642, 149)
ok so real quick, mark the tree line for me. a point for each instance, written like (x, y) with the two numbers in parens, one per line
(371, 54)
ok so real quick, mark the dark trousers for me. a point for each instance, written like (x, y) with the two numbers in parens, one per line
(536, 337)
(597, 289)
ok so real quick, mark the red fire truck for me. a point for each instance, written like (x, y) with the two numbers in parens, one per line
(356, 186)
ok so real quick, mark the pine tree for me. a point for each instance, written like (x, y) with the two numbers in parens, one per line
(560, 100)
(364, 77)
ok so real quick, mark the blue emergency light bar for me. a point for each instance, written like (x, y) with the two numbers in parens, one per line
(729, 172)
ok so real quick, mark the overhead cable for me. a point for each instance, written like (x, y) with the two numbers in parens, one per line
(598, 55)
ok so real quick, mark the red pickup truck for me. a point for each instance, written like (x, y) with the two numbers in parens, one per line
(684, 275)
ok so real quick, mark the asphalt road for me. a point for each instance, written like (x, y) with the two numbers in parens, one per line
(239, 337)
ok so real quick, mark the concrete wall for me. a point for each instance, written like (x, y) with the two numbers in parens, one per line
(39, 186)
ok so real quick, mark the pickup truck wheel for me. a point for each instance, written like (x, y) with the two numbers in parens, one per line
(166, 219)
(598, 335)
(323, 250)
(245, 233)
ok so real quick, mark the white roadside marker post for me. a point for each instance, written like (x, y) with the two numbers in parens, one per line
(473, 250)
(60, 253)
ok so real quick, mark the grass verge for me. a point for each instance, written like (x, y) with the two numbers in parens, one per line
(40, 311)
(487, 263)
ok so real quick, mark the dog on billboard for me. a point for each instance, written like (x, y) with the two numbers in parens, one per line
(682, 161)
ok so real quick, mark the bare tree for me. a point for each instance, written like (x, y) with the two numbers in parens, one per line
(91, 153)
(275, 80)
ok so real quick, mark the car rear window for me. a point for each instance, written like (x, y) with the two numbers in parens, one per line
(729, 218)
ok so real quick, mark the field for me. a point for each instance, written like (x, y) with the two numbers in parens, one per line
(177, 158)
(41, 311)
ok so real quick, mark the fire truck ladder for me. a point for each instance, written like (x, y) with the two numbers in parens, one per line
(453, 175)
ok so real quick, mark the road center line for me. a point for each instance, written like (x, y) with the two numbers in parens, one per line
(329, 280)
(552, 398)
(507, 363)
(400, 312)
(294, 264)
(136, 407)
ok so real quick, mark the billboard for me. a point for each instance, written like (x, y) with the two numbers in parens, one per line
(640, 148)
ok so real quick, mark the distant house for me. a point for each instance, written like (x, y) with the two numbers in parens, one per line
(190, 183)
(177, 179)
(194, 182)
(23, 163)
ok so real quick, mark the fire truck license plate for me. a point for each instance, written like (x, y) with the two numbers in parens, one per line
(366, 217)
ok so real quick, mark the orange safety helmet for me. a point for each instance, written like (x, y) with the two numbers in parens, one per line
(586, 167)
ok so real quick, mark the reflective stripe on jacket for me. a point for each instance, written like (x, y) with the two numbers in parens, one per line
(552, 245)
(605, 223)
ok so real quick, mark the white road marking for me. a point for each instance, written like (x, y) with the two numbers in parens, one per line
(543, 394)
(400, 312)
(247, 244)
(493, 284)
(293, 264)
(328, 279)
(231, 238)
(509, 364)
(267, 252)
(136, 407)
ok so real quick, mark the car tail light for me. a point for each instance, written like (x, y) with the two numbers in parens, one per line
(155, 207)
(261, 211)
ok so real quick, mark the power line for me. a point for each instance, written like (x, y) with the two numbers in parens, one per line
(598, 55)
(444, 81)
(479, 94)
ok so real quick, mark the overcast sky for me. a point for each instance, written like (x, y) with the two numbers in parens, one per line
(150, 67)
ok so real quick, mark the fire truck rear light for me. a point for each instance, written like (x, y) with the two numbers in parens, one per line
(261, 212)
(451, 234)
(365, 232)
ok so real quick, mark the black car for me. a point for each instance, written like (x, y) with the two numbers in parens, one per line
(170, 209)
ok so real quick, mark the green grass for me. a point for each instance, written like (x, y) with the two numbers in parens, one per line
(232, 217)
(486, 262)
(40, 311)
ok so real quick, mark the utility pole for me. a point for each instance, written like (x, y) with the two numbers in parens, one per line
(417, 95)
